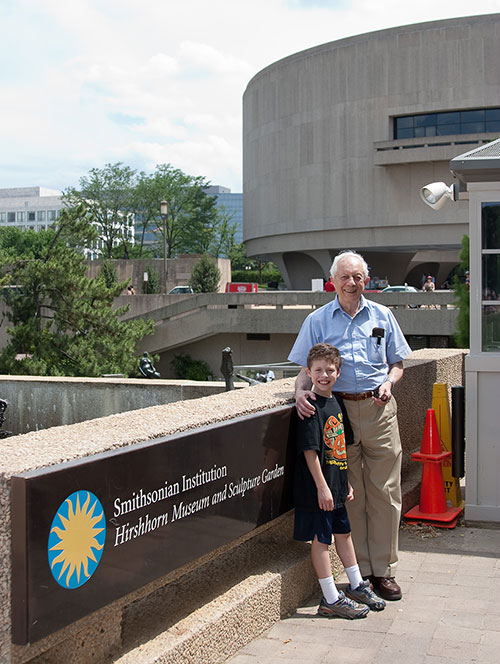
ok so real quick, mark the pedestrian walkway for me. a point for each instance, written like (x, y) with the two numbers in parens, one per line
(449, 614)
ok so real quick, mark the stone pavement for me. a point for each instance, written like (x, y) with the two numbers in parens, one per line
(449, 614)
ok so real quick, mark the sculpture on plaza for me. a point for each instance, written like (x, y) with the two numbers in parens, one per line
(147, 368)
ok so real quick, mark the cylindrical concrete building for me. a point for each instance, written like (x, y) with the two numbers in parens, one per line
(339, 139)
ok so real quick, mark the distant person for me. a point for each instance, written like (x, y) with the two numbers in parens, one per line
(429, 285)
(329, 287)
(130, 290)
(321, 489)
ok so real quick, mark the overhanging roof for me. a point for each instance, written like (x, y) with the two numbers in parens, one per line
(479, 165)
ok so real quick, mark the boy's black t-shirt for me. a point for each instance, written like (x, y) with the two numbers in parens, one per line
(327, 431)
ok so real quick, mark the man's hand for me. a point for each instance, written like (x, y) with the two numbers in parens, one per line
(384, 394)
(303, 406)
(350, 493)
(325, 499)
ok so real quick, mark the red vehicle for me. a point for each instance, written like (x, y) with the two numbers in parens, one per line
(233, 287)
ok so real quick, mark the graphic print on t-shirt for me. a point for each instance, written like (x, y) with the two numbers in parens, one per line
(334, 438)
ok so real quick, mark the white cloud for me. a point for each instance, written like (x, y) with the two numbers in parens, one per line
(97, 81)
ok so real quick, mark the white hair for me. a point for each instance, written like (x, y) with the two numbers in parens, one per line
(348, 253)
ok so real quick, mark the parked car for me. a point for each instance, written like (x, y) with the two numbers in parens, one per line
(181, 289)
(403, 289)
(400, 289)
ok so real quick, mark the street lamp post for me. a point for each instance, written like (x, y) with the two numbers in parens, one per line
(164, 213)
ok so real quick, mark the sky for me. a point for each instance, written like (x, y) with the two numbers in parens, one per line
(145, 82)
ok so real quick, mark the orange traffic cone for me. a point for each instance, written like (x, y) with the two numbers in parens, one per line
(432, 507)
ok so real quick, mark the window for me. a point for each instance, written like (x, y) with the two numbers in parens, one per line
(3, 217)
(21, 216)
(52, 215)
(448, 123)
(11, 217)
(490, 284)
(31, 216)
(40, 215)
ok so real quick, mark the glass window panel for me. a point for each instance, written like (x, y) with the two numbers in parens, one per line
(491, 328)
(51, 215)
(472, 116)
(491, 277)
(472, 128)
(430, 131)
(448, 130)
(405, 133)
(492, 126)
(490, 225)
(420, 131)
(425, 120)
(31, 216)
(11, 216)
(404, 123)
(40, 215)
(3, 217)
(492, 114)
(448, 118)
(21, 216)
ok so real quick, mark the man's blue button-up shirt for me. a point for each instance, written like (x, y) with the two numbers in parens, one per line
(365, 358)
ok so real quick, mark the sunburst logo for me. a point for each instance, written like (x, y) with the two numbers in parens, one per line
(76, 539)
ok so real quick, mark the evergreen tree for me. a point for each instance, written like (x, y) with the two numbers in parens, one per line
(62, 322)
(205, 276)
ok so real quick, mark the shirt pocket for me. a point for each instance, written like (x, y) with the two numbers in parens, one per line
(376, 351)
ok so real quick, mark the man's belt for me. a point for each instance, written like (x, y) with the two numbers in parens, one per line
(361, 396)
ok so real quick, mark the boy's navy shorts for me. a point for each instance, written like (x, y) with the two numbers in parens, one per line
(321, 523)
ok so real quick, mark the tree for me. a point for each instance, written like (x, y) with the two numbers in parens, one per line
(461, 288)
(205, 276)
(107, 195)
(63, 323)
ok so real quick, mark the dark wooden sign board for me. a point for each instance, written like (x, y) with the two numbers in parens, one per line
(87, 532)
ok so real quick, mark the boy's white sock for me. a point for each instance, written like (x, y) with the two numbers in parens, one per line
(354, 576)
(330, 592)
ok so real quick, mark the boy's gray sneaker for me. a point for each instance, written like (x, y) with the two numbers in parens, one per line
(342, 608)
(365, 595)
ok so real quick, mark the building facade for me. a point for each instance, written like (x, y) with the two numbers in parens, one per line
(29, 208)
(230, 203)
(339, 139)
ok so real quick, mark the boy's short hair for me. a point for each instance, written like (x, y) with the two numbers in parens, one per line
(324, 351)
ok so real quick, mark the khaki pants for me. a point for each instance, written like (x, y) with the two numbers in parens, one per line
(374, 471)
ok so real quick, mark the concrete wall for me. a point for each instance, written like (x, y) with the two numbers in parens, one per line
(321, 171)
(207, 610)
(41, 402)
(178, 270)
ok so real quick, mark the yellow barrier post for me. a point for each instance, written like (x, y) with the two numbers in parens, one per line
(441, 406)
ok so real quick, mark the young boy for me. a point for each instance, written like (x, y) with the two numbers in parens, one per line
(321, 488)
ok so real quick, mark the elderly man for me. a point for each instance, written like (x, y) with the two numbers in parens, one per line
(372, 348)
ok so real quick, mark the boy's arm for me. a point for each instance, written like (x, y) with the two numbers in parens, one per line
(325, 498)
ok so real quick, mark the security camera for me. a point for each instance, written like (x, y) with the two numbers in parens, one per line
(437, 193)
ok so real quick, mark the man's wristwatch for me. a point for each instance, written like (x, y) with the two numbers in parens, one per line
(390, 380)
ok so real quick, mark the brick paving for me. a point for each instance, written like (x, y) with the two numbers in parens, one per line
(449, 614)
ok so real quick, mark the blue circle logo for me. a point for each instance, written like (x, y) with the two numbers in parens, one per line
(76, 539)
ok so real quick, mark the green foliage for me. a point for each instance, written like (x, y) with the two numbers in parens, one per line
(62, 322)
(185, 367)
(270, 273)
(205, 276)
(248, 270)
(154, 283)
(107, 195)
(461, 289)
(109, 274)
